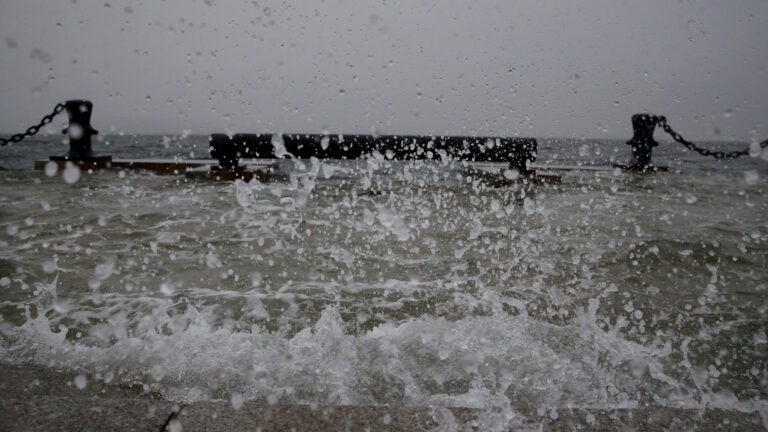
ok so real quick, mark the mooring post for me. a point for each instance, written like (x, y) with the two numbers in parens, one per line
(80, 132)
(523, 154)
(642, 142)
(223, 148)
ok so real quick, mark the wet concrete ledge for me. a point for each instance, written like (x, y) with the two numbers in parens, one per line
(34, 398)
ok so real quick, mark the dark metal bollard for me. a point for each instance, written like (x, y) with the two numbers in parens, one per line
(80, 132)
(642, 142)
(222, 147)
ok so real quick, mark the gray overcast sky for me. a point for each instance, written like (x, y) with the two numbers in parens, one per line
(534, 67)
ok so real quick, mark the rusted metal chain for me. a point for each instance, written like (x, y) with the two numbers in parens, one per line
(702, 151)
(32, 130)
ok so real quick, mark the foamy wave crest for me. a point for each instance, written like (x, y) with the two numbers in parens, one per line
(513, 363)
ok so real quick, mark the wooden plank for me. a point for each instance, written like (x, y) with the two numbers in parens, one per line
(497, 178)
(246, 175)
(157, 166)
(573, 167)
(261, 169)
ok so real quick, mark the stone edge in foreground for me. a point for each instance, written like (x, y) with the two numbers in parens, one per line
(35, 398)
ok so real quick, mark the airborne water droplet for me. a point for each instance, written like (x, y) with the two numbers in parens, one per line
(256, 279)
(237, 400)
(80, 382)
(49, 266)
(166, 288)
(71, 173)
(212, 260)
(174, 426)
(751, 177)
(511, 174)
(75, 131)
(51, 168)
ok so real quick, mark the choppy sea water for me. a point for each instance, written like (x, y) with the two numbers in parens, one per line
(380, 282)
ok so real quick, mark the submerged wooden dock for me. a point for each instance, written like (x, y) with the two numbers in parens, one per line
(259, 152)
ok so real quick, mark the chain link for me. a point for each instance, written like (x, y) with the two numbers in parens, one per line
(32, 130)
(702, 151)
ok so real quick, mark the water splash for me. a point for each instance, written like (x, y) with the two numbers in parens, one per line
(387, 283)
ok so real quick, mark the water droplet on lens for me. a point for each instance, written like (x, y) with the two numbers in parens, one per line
(51, 168)
(75, 131)
(751, 177)
(71, 173)
(237, 400)
(80, 382)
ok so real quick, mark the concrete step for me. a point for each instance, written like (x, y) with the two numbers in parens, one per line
(36, 398)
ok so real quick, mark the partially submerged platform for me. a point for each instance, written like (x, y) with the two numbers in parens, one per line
(259, 153)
